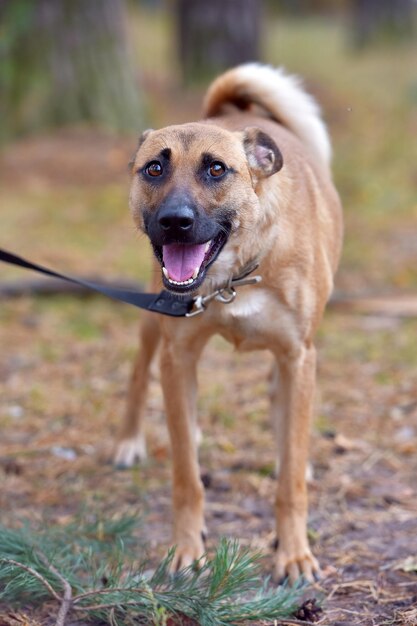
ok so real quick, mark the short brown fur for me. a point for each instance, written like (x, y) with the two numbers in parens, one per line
(290, 221)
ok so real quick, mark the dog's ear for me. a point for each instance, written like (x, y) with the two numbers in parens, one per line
(140, 142)
(263, 155)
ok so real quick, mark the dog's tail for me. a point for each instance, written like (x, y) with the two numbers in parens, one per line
(280, 95)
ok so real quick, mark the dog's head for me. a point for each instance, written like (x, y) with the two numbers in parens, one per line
(193, 188)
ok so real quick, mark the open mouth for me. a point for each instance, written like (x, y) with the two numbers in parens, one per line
(184, 265)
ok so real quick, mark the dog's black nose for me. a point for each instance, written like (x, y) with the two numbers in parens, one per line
(176, 220)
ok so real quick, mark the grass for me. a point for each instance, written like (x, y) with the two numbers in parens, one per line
(67, 360)
(75, 228)
(370, 103)
(86, 567)
(390, 348)
(369, 100)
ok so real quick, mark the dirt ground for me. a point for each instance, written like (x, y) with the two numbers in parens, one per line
(56, 448)
(64, 371)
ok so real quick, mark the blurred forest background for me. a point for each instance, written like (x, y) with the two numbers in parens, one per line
(79, 81)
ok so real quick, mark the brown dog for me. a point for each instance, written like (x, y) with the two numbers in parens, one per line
(249, 184)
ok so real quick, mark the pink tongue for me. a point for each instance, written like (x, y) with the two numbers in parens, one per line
(181, 259)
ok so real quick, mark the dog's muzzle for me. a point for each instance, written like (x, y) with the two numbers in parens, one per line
(186, 242)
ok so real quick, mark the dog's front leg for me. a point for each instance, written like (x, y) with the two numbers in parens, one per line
(294, 558)
(178, 377)
(131, 445)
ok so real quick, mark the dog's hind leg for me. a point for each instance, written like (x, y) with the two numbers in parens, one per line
(278, 406)
(179, 355)
(131, 445)
(277, 392)
(294, 557)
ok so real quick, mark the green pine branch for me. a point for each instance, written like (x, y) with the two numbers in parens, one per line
(85, 568)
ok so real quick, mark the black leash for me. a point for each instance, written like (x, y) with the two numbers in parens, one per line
(163, 302)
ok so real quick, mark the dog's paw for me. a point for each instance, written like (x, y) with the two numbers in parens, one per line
(293, 566)
(129, 452)
(188, 554)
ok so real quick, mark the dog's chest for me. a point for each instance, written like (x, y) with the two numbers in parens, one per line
(248, 306)
(244, 321)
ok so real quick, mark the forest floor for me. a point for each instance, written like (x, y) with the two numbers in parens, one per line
(66, 361)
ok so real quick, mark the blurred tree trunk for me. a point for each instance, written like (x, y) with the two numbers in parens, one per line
(381, 20)
(66, 61)
(216, 34)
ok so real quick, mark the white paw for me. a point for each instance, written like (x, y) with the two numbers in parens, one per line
(129, 452)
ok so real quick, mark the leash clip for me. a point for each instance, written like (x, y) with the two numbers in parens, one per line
(198, 307)
(225, 295)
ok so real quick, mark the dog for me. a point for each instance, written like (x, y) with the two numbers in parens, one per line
(249, 185)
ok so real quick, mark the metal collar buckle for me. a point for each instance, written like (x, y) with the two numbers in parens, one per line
(226, 294)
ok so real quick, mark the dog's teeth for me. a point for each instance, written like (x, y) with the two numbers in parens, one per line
(178, 282)
(165, 272)
(208, 244)
(194, 276)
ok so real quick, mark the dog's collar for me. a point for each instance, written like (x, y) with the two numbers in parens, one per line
(164, 302)
(227, 293)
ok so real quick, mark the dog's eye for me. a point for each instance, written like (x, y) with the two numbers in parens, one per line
(216, 169)
(154, 168)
